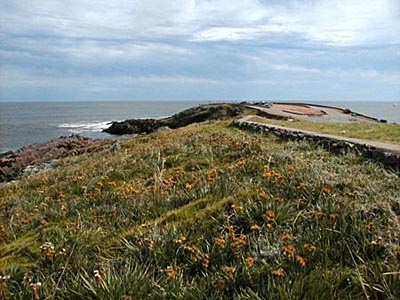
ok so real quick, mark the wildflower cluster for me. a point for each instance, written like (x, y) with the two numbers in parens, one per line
(269, 217)
(48, 250)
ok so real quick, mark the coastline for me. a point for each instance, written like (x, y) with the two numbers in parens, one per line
(38, 157)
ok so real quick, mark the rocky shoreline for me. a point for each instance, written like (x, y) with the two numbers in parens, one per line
(39, 157)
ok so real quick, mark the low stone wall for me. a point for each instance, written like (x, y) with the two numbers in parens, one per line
(335, 145)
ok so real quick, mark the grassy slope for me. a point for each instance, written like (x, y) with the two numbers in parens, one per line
(388, 133)
(173, 215)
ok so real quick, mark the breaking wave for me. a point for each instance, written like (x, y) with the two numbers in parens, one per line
(82, 127)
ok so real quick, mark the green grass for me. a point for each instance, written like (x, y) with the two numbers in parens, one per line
(387, 133)
(173, 216)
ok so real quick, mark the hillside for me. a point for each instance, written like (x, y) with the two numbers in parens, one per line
(203, 212)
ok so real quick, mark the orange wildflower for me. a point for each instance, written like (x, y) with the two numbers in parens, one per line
(264, 195)
(220, 242)
(239, 241)
(281, 179)
(181, 240)
(318, 214)
(268, 174)
(369, 225)
(231, 168)
(188, 186)
(220, 285)
(170, 272)
(97, 277)
(310, 247)
(249, 261)
(287, 237)
(241, 162)
(255, 227)
(333, 217)
(230, 230)
(205, 261)
(279, 273)
(301, 260)
(289, 251)
(326, 190)
(301, 186)
(229, 271)
(269, 215)
(237, 207)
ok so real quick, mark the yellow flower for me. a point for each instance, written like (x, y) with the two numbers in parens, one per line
(188, 186)
(255, 227)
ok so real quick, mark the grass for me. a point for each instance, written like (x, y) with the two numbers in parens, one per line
(387, 133)
(203, 212)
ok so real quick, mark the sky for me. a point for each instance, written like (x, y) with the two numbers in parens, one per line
(75, 50)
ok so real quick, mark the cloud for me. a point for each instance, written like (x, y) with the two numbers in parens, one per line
(120, 44)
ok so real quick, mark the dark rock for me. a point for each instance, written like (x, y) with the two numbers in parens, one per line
(35, 158)
(347, 111)
(192, 115)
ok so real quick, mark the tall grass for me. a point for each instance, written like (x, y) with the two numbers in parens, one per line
(203, 212)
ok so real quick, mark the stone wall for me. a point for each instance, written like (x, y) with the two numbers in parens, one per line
(336, 145)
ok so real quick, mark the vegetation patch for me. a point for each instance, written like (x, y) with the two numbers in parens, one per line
(203, 212)
(387, 133)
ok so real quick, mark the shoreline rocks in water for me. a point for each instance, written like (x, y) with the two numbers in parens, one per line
(39, 157)
(192, 115)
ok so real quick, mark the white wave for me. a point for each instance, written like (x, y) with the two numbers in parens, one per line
(85, 126)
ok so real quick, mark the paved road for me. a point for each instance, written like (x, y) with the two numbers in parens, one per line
(332, 115)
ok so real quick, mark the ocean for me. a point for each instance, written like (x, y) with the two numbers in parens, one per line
(25, 123)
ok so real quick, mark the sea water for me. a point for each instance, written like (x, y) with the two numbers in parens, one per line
(28, 123)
